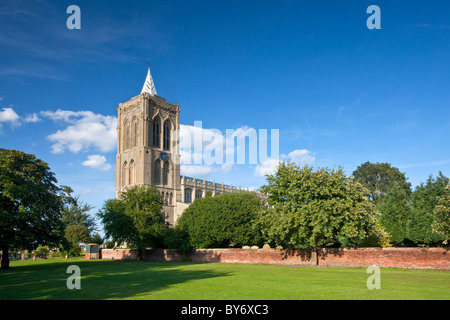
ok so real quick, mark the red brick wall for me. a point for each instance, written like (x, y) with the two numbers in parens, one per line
(119, 254)
(434, 258)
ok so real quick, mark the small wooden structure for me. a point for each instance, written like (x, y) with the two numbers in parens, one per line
(92, 251)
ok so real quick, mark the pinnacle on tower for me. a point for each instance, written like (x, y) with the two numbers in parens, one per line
(149, 86)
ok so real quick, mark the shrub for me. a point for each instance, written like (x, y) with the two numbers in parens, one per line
(74, 250)
(42, 251)
(109, 244)
(425, 198)
(394, 211)
(377, 237)
(176, 238)
(135, 219)
(216, 222)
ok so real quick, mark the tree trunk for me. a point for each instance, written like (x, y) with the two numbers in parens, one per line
(314, 256)
(140, 255)
(5, 258)
(315, 253)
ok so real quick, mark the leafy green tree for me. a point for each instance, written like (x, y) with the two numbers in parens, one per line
(42, 251)
(109, 244)
(72, 250)
(30, 204)
(395, 210)
(441, 223)
(79, 224)
(76, 233)
(177, 238)
(215, 222)
(76, 213)
(377, 237)
(96, 238)
(313, 209)
(424, 201)
(379, 178)
(135, 219)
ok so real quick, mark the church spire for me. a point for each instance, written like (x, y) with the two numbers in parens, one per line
(149, 86)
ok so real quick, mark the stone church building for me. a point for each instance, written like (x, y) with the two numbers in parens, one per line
(147, 154)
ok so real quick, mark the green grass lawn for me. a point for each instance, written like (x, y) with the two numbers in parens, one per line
(106, 279)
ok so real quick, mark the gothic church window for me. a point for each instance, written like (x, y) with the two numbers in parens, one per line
(166, 135)
(198, 194)
(127, 135)
(132, 177)
(134, 141)
(166, 173)
(187, 196)
(124, 174)
(156, 130)
(157, 172)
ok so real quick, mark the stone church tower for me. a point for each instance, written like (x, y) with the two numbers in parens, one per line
(146, 154)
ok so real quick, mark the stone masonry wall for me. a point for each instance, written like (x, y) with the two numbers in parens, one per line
(421, 258)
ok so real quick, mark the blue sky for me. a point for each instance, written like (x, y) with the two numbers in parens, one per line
(339, 93)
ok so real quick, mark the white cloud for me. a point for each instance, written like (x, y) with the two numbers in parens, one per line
(196, 170)
(98, 162)
(203, 151)
(300, 157)
(65, 115)
(267, 167)
(197, 143)
(9, 115)
(210, 146)
(32, 118)
(86, 130)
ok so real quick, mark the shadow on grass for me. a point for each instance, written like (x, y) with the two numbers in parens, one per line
(100, 279)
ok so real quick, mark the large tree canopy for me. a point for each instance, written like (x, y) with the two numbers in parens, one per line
(316, 208)
(425, 198)
(79, 224)
(217, 222)
(136, 218)
(441, 223)
(30, 203)
(395, 212)
(379, 178)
